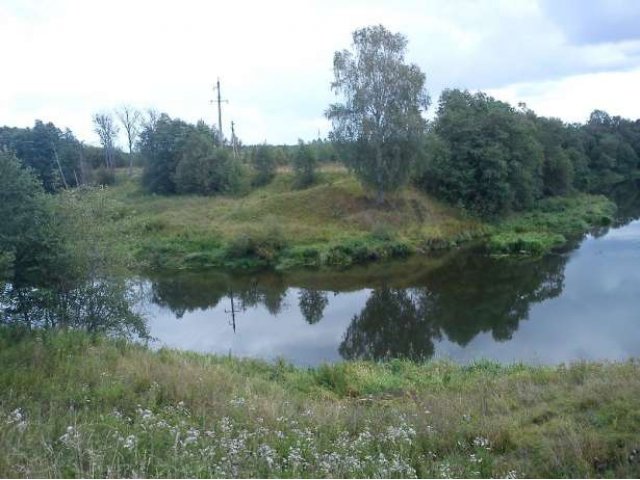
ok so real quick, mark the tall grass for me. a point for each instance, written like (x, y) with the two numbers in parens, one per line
(73, 405)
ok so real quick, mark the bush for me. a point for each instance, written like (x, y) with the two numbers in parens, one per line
(264, 246)
(304, 165)
(205, 169)
(525, 243)
(264, 165)
(104, 176)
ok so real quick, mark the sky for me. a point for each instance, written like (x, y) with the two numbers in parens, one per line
(64, 60)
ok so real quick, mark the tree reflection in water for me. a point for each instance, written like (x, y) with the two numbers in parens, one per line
(403, 318)
(467, 296)
(98, 306)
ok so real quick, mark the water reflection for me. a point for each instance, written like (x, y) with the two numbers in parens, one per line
(402, 316)
(98, 306)
(582, 303)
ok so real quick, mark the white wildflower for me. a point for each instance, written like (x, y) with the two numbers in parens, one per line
(15, 417)
(444, 470)
(294, 458)
(146, 414)
(130, 442)
(192, 436)
(225, 425)
(70, 435)
(402, 433)
(267, 454)
(481, 442)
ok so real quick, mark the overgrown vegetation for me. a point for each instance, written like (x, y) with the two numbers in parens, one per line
(72, 405)
(553, 223)
(331, 223)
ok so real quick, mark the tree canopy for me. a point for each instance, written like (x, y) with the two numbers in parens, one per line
(379, 124)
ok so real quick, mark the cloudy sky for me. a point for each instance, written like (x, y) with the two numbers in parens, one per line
(63, 60)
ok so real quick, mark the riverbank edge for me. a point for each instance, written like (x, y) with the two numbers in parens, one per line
(79, 405)
(554, 224)
(148, 246)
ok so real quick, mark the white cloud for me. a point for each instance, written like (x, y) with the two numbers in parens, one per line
(66, 59)
(574, 98)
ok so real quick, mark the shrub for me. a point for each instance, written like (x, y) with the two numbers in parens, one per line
(264, 165)
(104, 176)
(304, 165)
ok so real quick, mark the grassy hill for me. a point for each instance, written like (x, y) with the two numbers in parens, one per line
(332, 223)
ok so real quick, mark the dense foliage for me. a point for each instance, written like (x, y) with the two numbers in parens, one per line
(491, 158)
(53, 155)
(264, 162)
(29, 242)
(304, 165)
(183, 158)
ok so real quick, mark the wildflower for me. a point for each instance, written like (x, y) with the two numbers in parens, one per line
(481, 442)
(192, 436)
(444, 470)
(15, 416)
(226, 425)
(267, 454)
(146, 414)
(130, 442)
(403, 433)
(294, 458)
(69, 435)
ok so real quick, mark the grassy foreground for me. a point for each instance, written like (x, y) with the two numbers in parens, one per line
(332, 223)
(76, 406)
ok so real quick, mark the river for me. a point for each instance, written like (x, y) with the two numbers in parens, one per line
(581, 304)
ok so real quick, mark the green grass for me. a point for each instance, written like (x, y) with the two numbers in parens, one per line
(76, 406)
(552, 224)
(333, 223)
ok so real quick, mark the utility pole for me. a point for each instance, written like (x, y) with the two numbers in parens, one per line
(219, 101)
(233, 139)
(232, 311)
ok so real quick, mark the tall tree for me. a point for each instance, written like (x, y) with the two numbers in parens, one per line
(489, 159)
(379, 124)
(131, 120)
(107, 130)
(49, 151)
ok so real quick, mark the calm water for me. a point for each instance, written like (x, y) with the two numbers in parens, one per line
(582, 304)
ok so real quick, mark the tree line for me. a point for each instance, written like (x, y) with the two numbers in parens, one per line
(478, 153)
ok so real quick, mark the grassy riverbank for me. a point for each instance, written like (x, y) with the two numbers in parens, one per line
(75, 406)
(333, 223)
